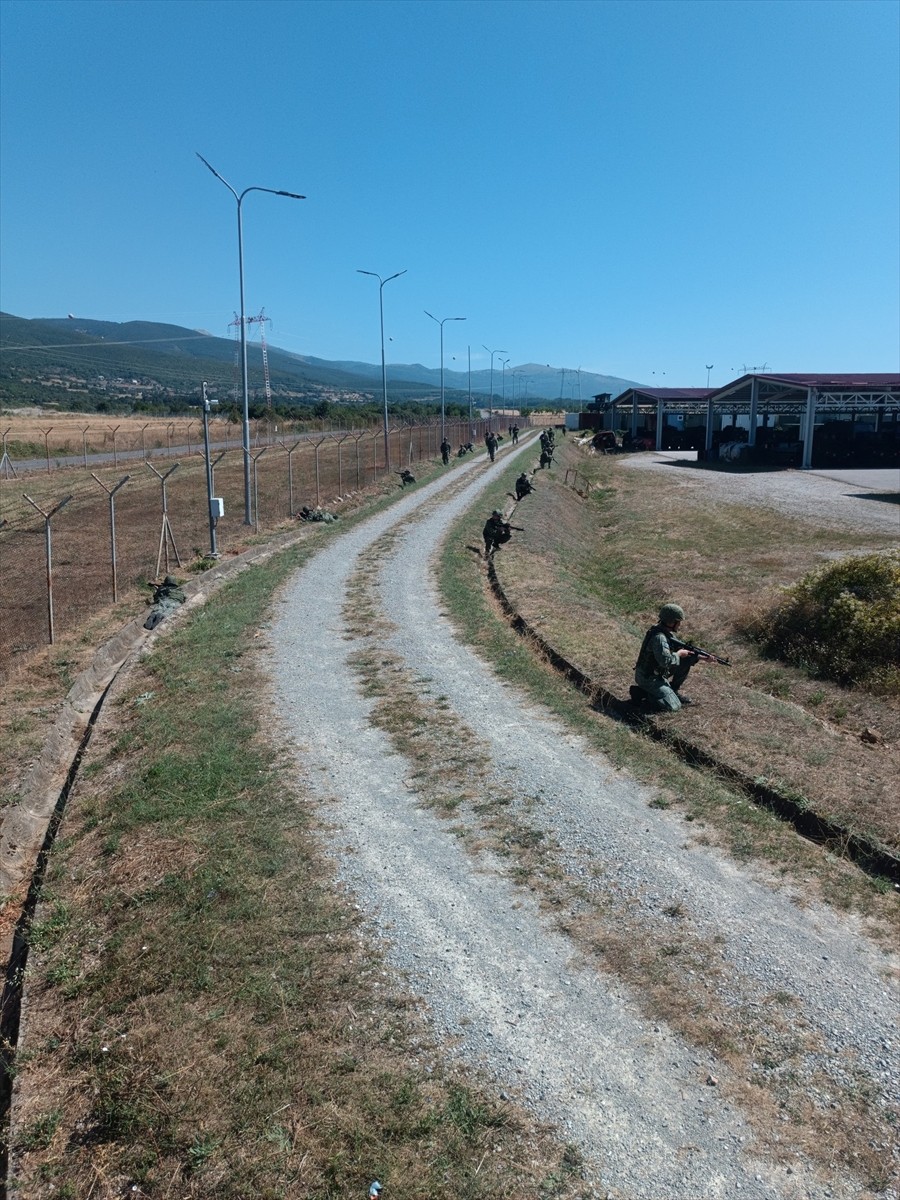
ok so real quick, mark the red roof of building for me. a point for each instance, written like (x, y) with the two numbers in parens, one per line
(860, 381)
(670, 393)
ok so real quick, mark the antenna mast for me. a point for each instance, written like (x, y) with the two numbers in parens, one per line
(261, 321)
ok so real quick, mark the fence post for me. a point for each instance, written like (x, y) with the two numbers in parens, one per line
(290, 452)
(318, 445)
(46, 433)
(49, 552)
(114, 429)
(340, 444)
(165, 534)
(7, 470)
(111, 492)
(255, 459)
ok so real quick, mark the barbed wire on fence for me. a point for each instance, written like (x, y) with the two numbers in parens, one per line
(123, 527)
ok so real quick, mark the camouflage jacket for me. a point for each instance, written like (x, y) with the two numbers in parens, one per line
(656, 660)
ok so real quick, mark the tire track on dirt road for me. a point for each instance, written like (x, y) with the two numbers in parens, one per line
(507, 990)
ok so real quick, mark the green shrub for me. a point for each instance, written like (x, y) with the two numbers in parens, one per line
(841, 622)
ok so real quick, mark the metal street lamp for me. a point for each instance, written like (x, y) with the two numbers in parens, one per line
(471, 430)
(516, 376)
(213, 509)
(505, 363)
(381, 283)
(491, 396)
(441, 323)
(245, 434)
(709, 367)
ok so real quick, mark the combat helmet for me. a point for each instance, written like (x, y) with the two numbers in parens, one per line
(670, 613)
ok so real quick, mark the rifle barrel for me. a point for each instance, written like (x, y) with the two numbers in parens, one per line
(678, 644)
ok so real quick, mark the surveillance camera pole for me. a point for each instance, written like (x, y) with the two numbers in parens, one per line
(213, 548)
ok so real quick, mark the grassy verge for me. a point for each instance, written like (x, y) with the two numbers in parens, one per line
(203, 1018)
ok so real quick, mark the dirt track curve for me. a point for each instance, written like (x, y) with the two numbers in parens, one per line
(505, 988)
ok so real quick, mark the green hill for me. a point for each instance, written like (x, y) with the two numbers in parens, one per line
(75, 361)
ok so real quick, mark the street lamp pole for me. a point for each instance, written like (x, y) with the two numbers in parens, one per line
(491, 396)
(709, 367)
(517, 387)
(381, 283)
(245, 435)
(505, 364)
(470, 390)
(441, 323)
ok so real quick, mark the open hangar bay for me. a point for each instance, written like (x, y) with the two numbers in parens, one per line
(797, 420)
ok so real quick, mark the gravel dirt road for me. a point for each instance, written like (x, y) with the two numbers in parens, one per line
(504, 987)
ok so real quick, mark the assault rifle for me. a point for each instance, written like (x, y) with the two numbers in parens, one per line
(677, 644)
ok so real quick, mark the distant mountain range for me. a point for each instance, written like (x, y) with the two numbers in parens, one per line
(104, 356)
(527, 382)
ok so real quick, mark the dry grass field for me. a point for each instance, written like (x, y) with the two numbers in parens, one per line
(30, 434)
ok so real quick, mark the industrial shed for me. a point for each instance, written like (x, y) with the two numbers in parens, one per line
(802, 420)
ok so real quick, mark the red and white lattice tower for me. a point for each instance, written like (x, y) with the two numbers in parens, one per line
(261, 321)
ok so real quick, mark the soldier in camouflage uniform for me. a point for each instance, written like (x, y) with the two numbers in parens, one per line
(167, 597)
(496, 532)
(524, 486)
(660, 671)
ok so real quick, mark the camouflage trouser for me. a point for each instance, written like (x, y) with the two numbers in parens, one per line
(663, 694)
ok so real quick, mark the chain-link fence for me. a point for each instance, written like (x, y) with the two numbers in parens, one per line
(76, 537)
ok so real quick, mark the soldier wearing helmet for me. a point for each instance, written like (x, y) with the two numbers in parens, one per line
(660, 671)
(496, 532)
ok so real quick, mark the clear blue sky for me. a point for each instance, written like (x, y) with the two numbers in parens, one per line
(627, 187)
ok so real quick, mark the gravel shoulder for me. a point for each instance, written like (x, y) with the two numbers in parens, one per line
(508, 990)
